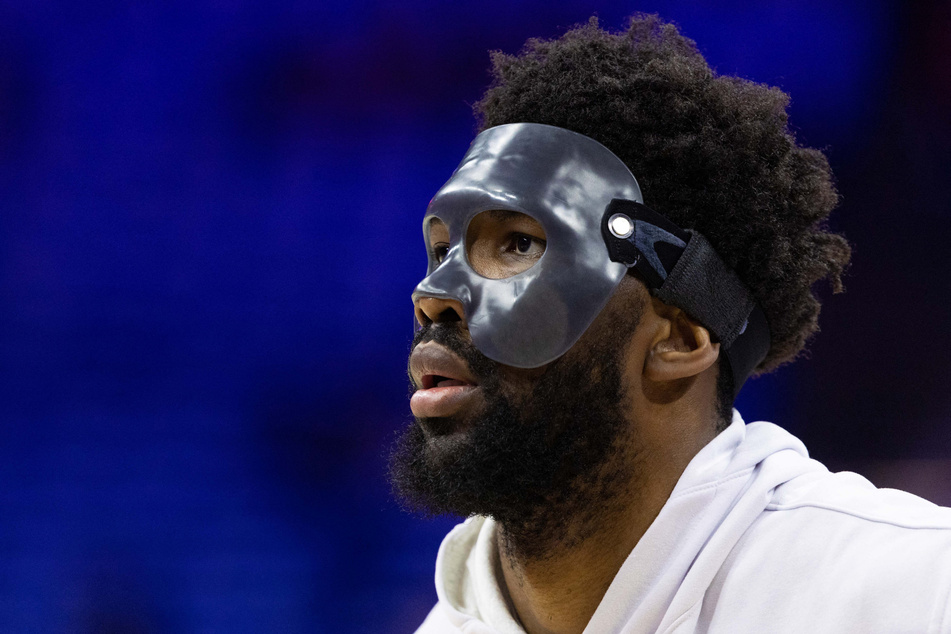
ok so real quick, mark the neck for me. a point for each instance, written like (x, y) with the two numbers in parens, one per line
(556, 590)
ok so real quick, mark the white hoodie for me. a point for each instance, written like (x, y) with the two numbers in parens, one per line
(756, 537)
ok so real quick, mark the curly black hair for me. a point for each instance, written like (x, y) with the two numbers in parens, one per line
(712, 153)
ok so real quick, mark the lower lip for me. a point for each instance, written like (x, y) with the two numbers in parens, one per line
(441, 401)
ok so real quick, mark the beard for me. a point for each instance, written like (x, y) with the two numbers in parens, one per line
(546, 460)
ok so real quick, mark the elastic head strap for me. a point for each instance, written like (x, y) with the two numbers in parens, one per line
(682, 269)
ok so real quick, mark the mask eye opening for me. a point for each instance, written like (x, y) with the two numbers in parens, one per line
(437, 239)
(502, 243)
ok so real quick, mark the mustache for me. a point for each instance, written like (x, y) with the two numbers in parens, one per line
(451, 335)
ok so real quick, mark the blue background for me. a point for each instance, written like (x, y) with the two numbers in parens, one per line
(209, 232)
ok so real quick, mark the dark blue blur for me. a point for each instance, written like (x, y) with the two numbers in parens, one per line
(209, 232)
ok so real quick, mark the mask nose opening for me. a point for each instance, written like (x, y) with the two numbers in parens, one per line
(434, 310)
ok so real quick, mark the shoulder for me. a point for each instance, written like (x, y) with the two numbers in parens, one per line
(848, 496)
(839, 526)
(832, 548)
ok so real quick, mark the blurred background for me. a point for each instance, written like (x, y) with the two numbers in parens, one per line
(209, 232)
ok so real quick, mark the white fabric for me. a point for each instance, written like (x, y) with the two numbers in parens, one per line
(756, 537)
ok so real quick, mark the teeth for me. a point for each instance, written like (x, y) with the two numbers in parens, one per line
(443, 382)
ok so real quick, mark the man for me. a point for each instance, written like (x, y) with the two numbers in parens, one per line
(626, 241)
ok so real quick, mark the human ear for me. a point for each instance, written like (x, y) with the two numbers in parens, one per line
(681, 347)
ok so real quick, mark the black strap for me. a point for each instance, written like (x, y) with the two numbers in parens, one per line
(682, 269)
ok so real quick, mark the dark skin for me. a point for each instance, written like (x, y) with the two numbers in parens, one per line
(670, 371)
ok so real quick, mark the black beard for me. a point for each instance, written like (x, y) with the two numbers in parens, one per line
(545, 464)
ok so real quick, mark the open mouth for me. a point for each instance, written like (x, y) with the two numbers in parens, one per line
(444, 384)
(434, 366)
(430, 381)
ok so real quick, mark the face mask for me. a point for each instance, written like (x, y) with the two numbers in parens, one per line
(596, 228)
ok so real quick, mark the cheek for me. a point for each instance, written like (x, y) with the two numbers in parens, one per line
(517, 384)
(485, 261)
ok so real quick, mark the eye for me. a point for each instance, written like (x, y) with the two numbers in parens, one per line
(440, 250)
(522, 244)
